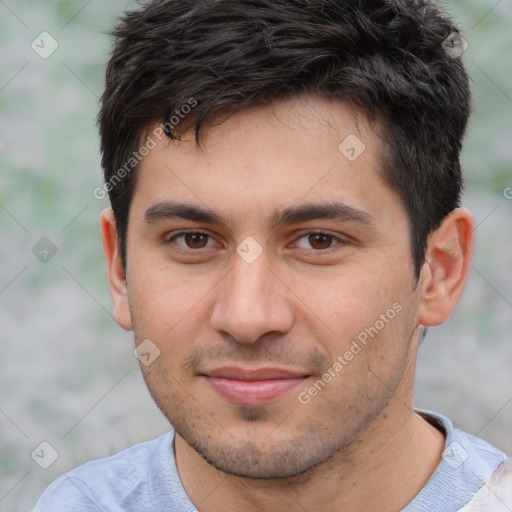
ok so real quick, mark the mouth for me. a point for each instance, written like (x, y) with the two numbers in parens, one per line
(257, 386)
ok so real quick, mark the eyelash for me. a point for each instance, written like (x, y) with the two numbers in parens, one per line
(183, 233)
(302, 235)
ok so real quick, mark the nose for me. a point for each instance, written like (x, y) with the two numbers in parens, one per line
(251, 302)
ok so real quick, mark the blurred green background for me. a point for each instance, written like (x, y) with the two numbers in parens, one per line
(67, 372)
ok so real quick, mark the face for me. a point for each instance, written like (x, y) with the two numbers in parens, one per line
(272, 271)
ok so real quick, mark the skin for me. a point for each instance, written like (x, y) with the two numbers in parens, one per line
(357, 444)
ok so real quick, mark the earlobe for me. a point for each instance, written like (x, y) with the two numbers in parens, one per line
(116, 274)
(446, 267)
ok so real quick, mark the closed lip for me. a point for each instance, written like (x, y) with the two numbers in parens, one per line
(253, 386)
(254, 374)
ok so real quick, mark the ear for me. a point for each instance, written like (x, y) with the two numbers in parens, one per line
(446, 267)
(116, 275)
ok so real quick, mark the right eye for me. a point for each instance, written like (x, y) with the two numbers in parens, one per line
(191, 240)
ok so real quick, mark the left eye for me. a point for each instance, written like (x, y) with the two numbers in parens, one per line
(192, 239)
(317, 240)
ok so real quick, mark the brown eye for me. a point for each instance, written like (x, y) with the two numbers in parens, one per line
(320, 240)
(196, 240)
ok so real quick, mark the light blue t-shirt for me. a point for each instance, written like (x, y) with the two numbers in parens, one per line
(144, 478)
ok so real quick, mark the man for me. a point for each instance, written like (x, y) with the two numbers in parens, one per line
(285, 185)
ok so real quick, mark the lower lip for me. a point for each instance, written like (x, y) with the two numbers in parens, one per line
(257, 392)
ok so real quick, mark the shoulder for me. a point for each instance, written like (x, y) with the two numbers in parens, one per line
(115, 483)
(496, 494)
(468, 468)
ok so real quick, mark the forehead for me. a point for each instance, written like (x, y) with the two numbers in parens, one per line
(268, 158)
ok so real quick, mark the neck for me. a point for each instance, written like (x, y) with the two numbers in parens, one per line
(394, 459)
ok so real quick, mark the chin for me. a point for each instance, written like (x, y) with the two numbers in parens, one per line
(260, 456)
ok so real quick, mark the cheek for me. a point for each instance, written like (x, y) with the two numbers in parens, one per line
(161, 298)
(349, 302)
(371, 321)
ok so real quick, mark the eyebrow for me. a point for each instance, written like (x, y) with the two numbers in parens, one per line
(334, 210)
(167, 210)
